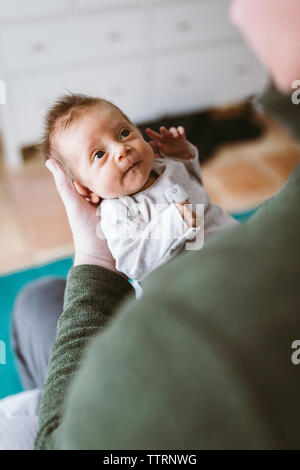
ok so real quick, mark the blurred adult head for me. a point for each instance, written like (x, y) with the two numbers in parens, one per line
(272, 30)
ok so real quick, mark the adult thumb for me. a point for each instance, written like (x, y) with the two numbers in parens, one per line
(60, 178)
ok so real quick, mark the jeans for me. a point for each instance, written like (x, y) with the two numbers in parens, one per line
(34, 323)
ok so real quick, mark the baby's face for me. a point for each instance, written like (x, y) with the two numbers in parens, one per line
(108, 154)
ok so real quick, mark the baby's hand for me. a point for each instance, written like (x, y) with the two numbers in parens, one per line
(172, 142)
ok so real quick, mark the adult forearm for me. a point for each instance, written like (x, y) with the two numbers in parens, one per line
(91, 297)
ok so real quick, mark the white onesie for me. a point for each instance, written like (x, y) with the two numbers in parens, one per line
(146, 230)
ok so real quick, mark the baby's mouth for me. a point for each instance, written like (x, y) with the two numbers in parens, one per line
(131, 166)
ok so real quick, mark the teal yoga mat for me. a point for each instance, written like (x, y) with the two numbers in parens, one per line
(10, 285)
(244, 216)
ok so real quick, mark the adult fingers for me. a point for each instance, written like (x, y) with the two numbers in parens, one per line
(68, 194)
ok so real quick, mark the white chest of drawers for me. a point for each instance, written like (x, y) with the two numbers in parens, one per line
(148, 56)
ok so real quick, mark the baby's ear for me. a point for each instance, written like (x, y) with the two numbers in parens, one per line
(87, 193)
(82, 190)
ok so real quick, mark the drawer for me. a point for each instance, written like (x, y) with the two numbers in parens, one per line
(192, 22)
(87, 5)
(20, 10)
(32, 95)
(73, 40)
(216, 75)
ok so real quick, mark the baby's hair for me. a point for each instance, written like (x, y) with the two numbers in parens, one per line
(66, 110)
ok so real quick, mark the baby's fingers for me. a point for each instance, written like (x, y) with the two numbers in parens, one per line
(164, 131)
(164, 134)
(174, 131)
(154, 135)
(181, 131)
(177, 132)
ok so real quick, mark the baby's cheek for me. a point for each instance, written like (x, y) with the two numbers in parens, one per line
(148, 153)
(110, 187)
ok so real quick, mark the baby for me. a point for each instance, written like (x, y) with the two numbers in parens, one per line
(149, 193)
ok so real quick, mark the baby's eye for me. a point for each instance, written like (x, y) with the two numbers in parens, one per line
(125, 133)
(98, 155)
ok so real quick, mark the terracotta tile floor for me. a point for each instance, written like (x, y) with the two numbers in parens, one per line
(239, 176)
(34, 227)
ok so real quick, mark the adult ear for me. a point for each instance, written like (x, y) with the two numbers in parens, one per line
(86, 192)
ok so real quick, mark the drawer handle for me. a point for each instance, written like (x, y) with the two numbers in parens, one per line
(38, 47)
(184, 26)
(114, 36)
(181, 80)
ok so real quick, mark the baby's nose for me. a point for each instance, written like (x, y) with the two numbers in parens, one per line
(120, 152)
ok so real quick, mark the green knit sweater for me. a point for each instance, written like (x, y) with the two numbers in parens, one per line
(201, 361)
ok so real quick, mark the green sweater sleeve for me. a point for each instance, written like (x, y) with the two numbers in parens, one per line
(91, 297)
(201, 361)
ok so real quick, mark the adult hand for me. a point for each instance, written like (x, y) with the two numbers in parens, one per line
(84, 218)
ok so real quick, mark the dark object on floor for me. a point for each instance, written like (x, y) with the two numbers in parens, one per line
(209, 129)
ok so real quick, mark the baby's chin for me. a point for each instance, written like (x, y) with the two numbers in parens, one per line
(128, 192)
(135, 184)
